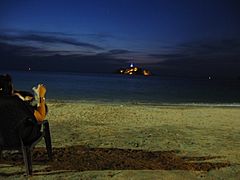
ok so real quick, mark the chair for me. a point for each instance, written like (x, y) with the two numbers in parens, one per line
(19, 129)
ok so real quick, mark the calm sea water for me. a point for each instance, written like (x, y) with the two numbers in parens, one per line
(128, 89)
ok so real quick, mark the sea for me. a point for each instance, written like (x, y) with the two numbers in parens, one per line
(115, 88)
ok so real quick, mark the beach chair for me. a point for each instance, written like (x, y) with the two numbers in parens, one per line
(19, 129)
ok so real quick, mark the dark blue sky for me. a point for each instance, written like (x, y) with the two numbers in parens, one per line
(170, 37)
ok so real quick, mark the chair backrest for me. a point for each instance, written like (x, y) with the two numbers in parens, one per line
(17, 121)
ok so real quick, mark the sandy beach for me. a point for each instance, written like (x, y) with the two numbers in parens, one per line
(127, 141)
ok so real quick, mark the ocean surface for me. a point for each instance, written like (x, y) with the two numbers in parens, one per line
(130, 89)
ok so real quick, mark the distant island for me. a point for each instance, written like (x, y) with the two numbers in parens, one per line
(134, 70)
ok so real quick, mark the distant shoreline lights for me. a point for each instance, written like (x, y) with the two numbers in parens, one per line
(134, 70)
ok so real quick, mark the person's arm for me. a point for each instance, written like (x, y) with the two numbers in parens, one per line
(40, 113)
(23, 95)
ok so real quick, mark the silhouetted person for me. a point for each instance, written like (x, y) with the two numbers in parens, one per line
(6, 89)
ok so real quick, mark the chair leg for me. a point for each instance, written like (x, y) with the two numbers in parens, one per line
(1, 155)
(47, 138)
(27, 156)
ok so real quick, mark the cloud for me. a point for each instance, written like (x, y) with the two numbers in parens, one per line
(167, 56)
(119, 51)
(224, 46)
(24, 50)
(43, 38)
(200, 58)
(18, 31)
(10, 50)
(17, 57)
(98, 37)
(204, 50)
(116, 53)
(95, 37)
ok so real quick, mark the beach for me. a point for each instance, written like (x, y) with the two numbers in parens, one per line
(135, 141)
(135, 90)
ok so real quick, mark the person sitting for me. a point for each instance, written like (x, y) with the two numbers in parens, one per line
(6, 89)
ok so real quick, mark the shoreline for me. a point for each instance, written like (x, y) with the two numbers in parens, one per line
(224, 105)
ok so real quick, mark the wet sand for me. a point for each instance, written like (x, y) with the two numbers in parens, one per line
(122, 141)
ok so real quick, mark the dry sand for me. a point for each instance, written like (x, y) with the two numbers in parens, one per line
(126, 141)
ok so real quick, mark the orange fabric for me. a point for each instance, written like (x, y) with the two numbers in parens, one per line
(40, 113)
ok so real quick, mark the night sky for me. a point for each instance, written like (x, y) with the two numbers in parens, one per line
(192, 38)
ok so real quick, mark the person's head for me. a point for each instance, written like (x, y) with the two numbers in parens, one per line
(6, 86)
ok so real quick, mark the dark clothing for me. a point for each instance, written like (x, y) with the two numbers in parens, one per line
(5, 85)
(18, 116)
